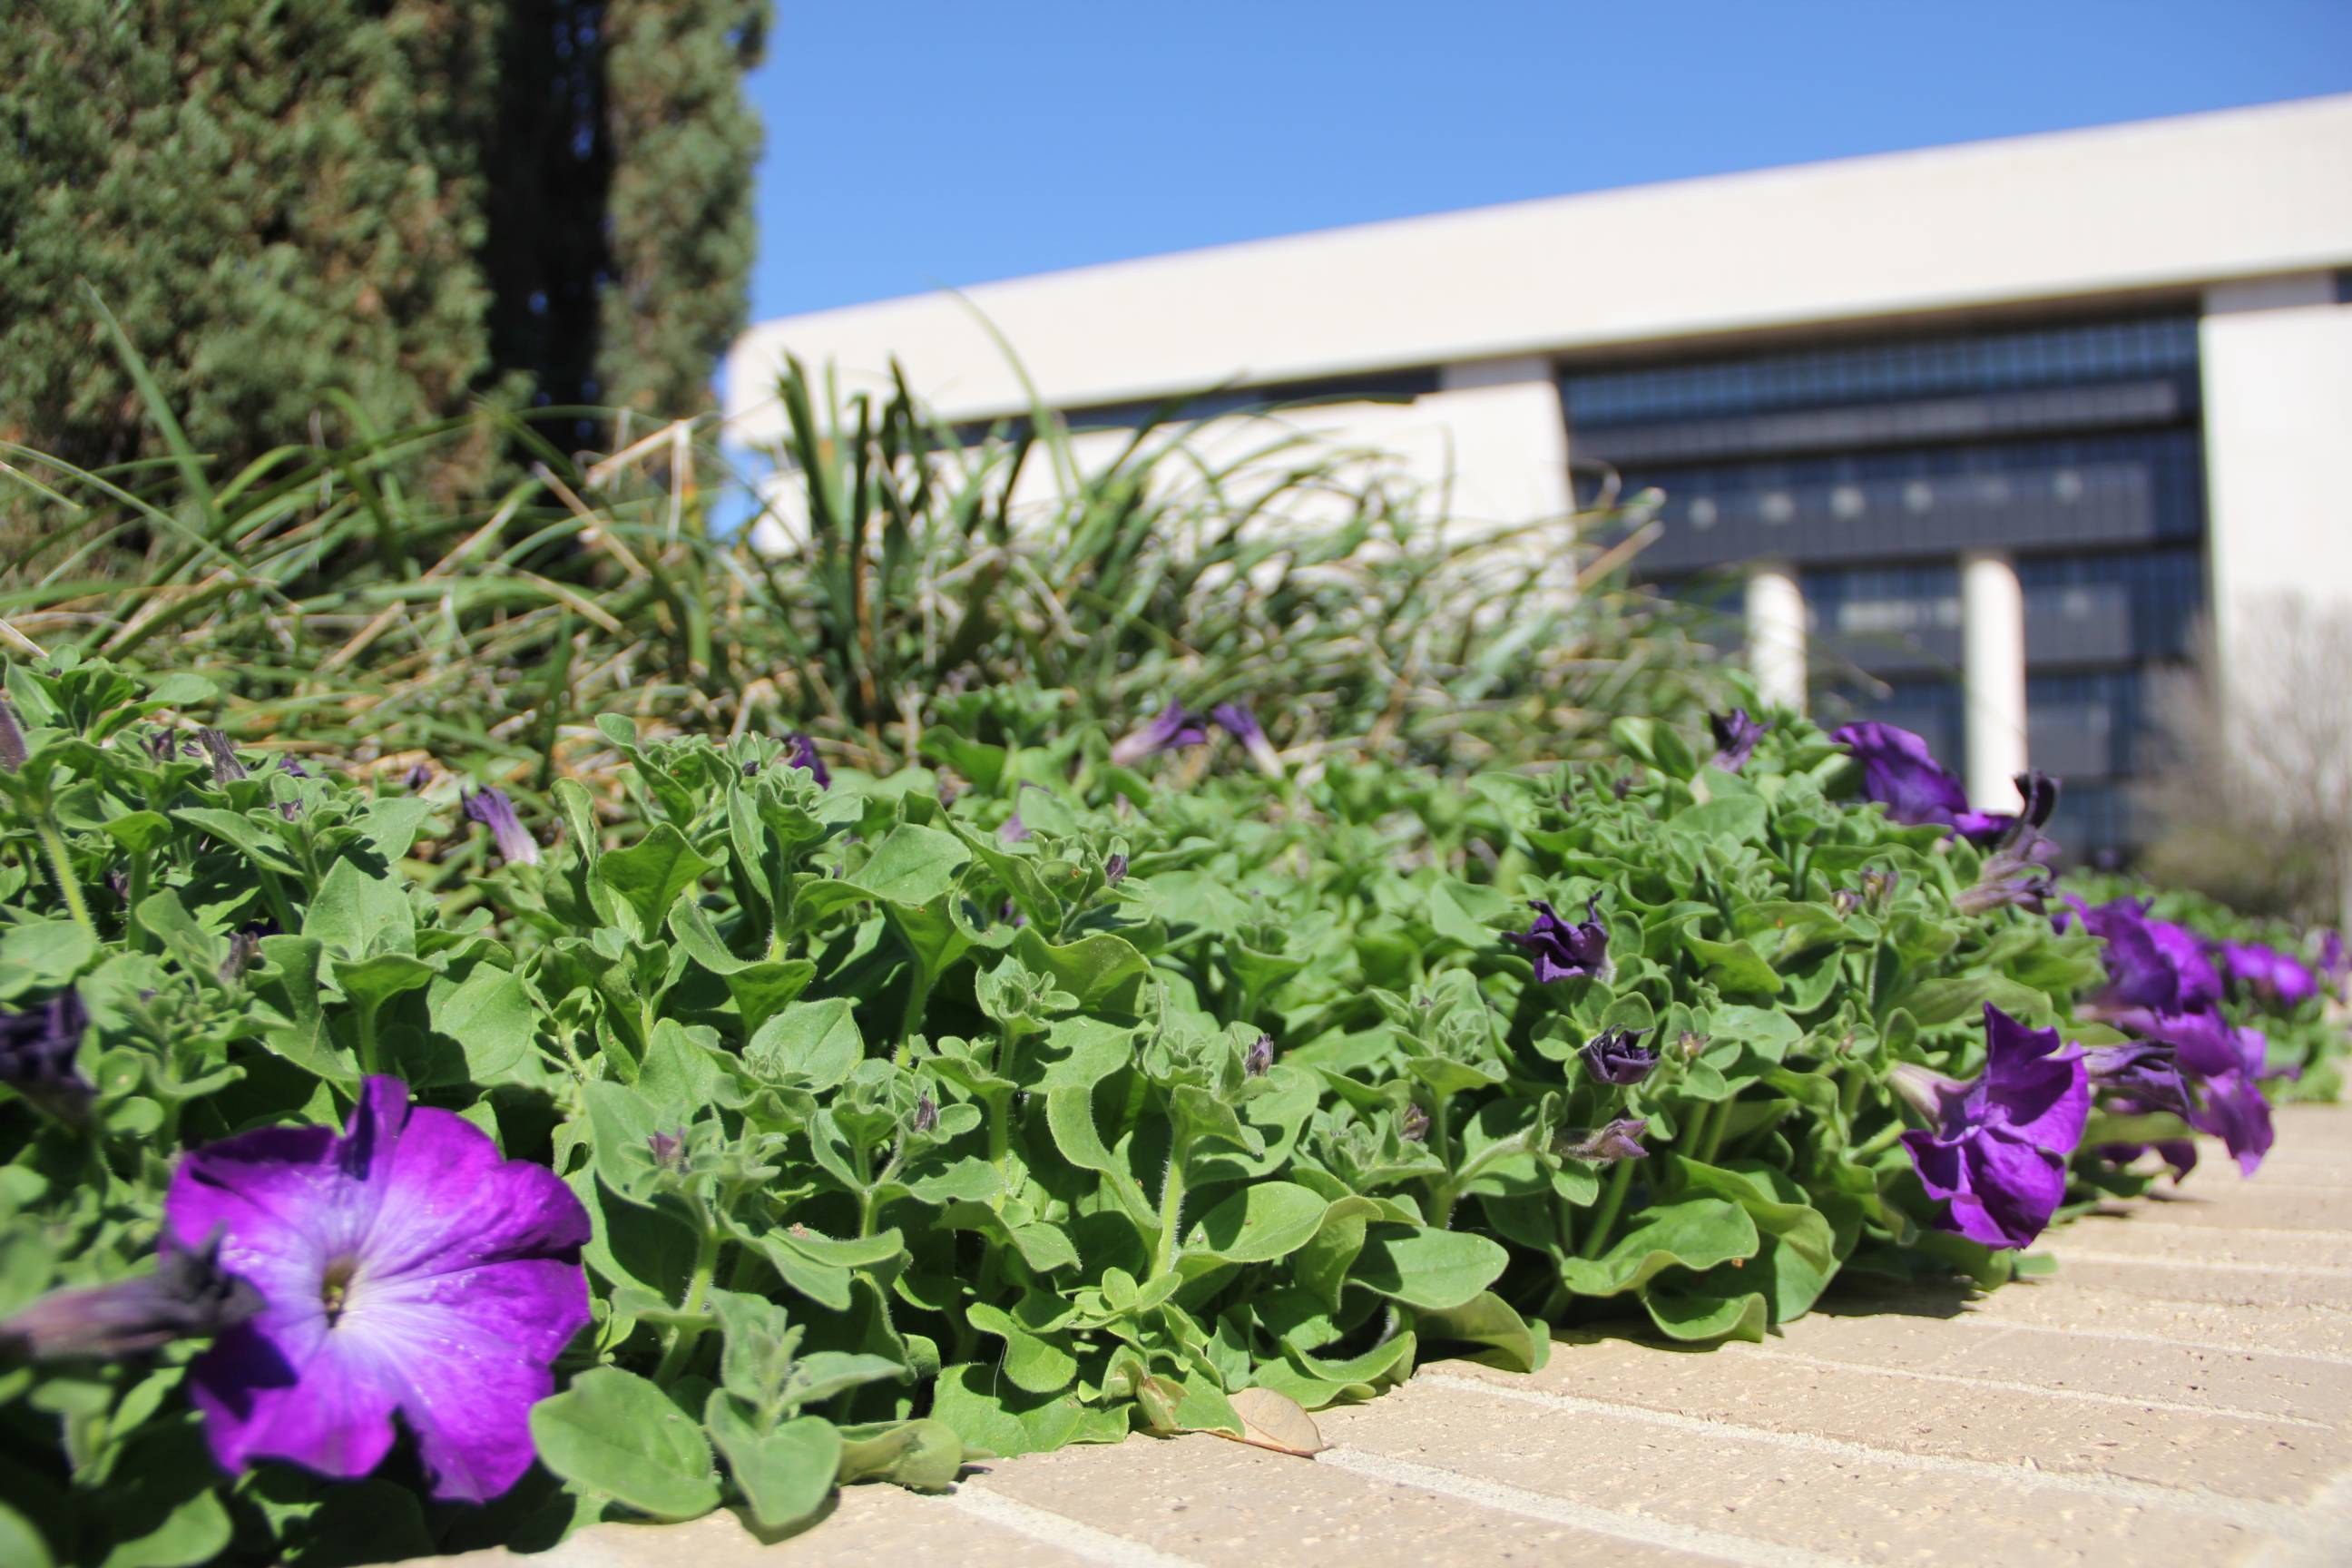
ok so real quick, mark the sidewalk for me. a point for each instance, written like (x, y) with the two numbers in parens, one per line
(2180, 1392)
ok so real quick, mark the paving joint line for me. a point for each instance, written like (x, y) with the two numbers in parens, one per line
(1640, 1529)
(1047, 1528)
(2136, 1336)
(2065, 1254)
(2014, 1385)
(2276, 1519)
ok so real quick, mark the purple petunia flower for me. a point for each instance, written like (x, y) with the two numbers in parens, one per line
(1621, 1139)
(1997, 1150)
(493, 810)
(2147, 1072)
(1242, 724)
(799, 752)
(1174, 728)
(2234, 1111)
(1619, 1056)
(2335, 962)
(1900, 773)
(188, 1295)
(2278, 978)
(1736, 735)
(1565, 952)
(406, 1268)
(419, 776)
(38, 1047)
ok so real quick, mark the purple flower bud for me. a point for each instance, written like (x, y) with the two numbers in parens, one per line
(1242, 724)
(1736, 735)
(1565, 952)
(1260, 1058)
(1691, 1042)
(2335, 963)
(669, 1150)
(1413, 1124)
(419, 776)
(162, 743)
(1174, 728)
(1621, 1139)
(1010, 913)
(186, 1296)
(927, 1112)
(1618, 1057)
(2006, 879)
(1013, 831)
(13, 752)
(493, 810)
(243, 949)
(39, 1046)
(1114, 871)
(226, 769)
(799, 752)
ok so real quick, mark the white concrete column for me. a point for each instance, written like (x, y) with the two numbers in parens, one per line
(1992, 676)
(2276, 361)
(1776, 634)
(1505, 439)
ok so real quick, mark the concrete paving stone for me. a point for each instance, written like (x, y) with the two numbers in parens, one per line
(2082, 1306)
(2278, 1460)
(1817, 1495)
(2319, 1289)
(2159, 1374)
(2274, 1207)
(2147, 1234)
(867, 1523)
(1204, 1500)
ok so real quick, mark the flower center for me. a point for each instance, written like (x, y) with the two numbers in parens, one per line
(334, 1287)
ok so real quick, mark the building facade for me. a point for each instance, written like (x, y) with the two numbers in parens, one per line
(1969, 439)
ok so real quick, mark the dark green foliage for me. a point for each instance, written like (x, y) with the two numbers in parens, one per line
(412, 205)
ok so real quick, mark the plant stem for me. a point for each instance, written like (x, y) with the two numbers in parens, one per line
(61, 869)
(1604, 1219)
(683, 1336)
(918, 995)
(1880, 1141)
(1171, 1209)
(370, 1062)
(1710, 1141)
(140, 871)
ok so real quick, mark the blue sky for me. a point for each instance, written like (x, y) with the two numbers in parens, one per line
(916, 143)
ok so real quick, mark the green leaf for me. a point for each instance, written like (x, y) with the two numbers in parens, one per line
(20, 1543)
(43, 955)
(353, 913)
(1105, 973)
(1734, 966)
(913, 867)
(373, 981)
(1693, 1232)
(614, 1433)
(784, 1475)
(1432, 1271)
(1696, 1315)
(140, 832)
(814, 1044)
(923, 1456)
(649, 877)
(1258, 1225)
(1935, 1003)
(489, 1016)
(1489, 1320)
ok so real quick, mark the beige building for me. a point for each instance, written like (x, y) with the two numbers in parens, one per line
(1971, 435)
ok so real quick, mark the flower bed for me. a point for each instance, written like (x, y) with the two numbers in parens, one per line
(797, 1129)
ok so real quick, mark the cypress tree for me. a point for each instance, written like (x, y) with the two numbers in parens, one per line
(418, 204)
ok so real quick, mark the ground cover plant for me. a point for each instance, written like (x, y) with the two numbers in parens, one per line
(391, 1171)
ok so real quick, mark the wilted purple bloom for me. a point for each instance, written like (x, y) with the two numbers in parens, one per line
(419, 775)
(226, 769)
(1900, 773)
(1565, 952)
(1013, 831)
(1999, 1149)
(1259, 1058)
(1619, 1056)
(37, 1049)
(1172, 729)
(292, 768)
(2277, 977)
(799, 752)
(244, 947)
(668, 1149)
(1114, 871)
(13, 752)
(2005, 878)
(1413, 1124)
(927, 1112)
(493, 810)
(1621, 1139)
(1242, 724)
(406, 1268)
(186, 1296)
(2147, 1072)
(2234, 1111)
(1736, 735)
(2178, 1153)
